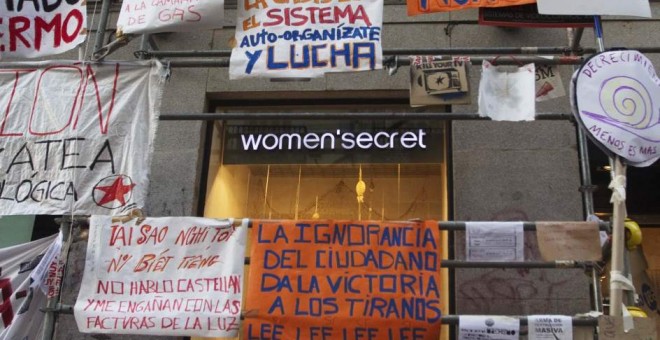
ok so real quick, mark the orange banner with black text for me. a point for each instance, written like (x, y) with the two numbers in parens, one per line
(416, 7)
(343, 280)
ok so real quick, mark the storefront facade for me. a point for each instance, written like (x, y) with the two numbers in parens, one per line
(430, 163)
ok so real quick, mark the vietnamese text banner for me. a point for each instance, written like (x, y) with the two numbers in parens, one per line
(416, 7)
(77, 138)
(291, 38)
(344, 280)
(175, 276)
(152, 16)
(41, 28)
(22, 297)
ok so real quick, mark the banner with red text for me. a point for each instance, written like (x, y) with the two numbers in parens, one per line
(281, 39)
(77, 138)
(344, 280)
(31, 29)
(416, 7)
(175, 276)
(20, 286)
(152, 16)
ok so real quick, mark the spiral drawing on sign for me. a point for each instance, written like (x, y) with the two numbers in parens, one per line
(627, 101)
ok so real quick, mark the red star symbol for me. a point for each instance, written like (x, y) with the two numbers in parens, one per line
(115, 191)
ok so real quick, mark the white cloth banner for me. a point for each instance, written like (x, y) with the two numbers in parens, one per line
(41, 28)
(488, 327)
(507, 92)
(640, 8)
(280, 39)
(550, 327)
(152, 16)
(175, 276)
(494, 241)
(77, 138)
(615, 96)
(20, 317)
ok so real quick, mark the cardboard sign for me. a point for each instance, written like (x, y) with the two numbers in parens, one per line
(528, 16)
(548, 83)
(438, 82)
(640, 8)
(577, 241)
(69, 136)
(30, 29)
(280, 39)
(615, 96)
(21, 298)
(416, 7)
(344, 280)
(144, 16)
(175, 276)
(611, 328)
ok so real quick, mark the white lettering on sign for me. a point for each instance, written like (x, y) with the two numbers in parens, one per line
(323, 141)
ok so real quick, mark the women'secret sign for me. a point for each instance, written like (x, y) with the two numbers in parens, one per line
(293, 38)
(39, 28)
(344, 280)
(175, 276)
(67, 141)
(616, 97)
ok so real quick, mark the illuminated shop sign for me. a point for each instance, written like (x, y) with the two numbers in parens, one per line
(336, 142)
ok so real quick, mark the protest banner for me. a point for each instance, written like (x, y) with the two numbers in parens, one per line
(283, 39)
(343, 280)
(22, 296)
(76, 138)
(416, 7)
(31, 29)
(153, 16)
(640, 8)
(528, 16)
(434, 81)
(175, 276)
(615, 95)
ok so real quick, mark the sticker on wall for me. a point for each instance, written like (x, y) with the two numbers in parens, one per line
(294, 39)
(640, 8)
(434, 81)
(143, 16)
(68, 136)
(30, 29)
(416, 7)
(344, 280)
(548, 83)
(615, 97)
(174, 276)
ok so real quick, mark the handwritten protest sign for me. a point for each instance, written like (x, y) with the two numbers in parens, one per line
(292, 38)
(615, 98)
(77, 138)
(23, 269)
(152, 16)
(416, 7)
(41, 28)
(343, 280)
(579, 241)
(165, 276)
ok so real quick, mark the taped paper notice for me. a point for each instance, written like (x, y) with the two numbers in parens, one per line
(494, 241)
(487, 327)
(550, 327)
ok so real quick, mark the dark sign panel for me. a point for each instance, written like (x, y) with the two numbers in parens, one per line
(338, 142)
(528, 16)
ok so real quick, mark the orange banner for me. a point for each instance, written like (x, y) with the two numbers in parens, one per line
(416, 7)
(343, 280)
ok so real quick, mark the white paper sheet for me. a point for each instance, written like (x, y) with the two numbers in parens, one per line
(488, 327)
(551, 327)
(640, 8)
(494, 241)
